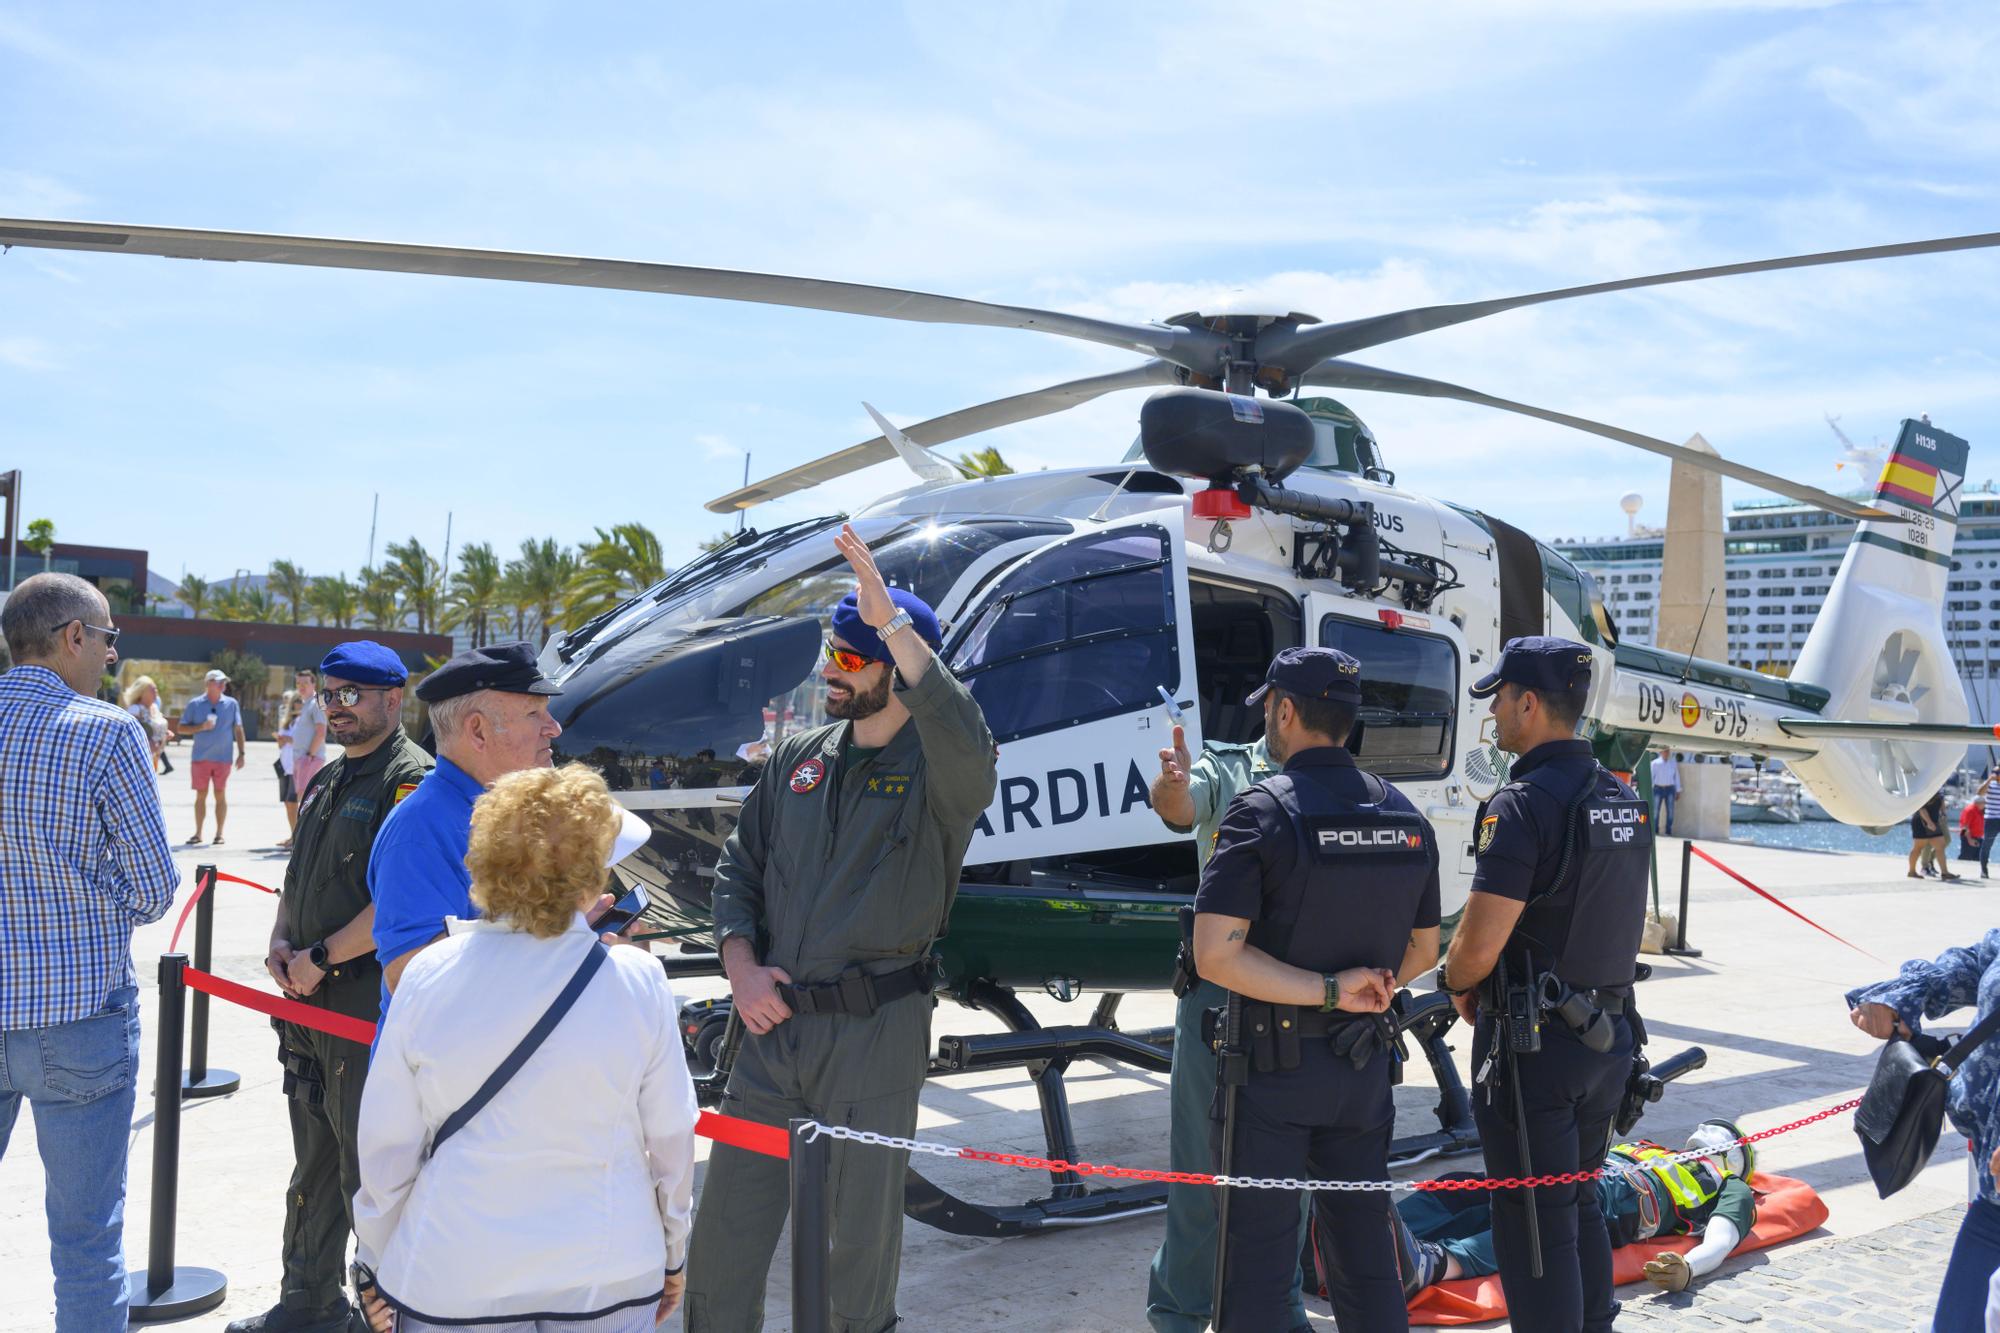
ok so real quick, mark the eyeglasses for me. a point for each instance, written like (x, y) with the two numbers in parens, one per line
(349, 695)
(110, 635)
(845, 658)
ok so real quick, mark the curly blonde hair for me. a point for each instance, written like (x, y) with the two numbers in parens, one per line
(138, 687)
(539, 842)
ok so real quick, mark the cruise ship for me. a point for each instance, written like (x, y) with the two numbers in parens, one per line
(1780, 557)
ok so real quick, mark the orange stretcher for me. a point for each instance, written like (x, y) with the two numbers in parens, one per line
(1786, 1209)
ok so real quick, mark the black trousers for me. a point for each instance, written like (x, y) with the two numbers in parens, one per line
(326, 1162)
(1570, 1094)
(1329, 1121)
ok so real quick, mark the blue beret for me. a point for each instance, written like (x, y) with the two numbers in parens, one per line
(364, 662)
(1313, 673)
(1537, 662)
(848, 624)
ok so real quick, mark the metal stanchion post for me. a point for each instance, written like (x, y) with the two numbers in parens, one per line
(812, 1226)
(164, 1291)
(1680, 948)
(201, 1081)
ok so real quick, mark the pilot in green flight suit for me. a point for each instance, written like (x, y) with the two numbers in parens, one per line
(1189, 794)
(828, 897)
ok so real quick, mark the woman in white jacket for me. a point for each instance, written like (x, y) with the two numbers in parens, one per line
(563, 1202)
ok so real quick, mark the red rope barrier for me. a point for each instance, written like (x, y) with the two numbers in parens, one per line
(200, 887)
(770, 1140)
(1772, 898)
(305, 1015)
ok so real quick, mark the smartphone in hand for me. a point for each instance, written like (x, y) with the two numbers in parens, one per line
(623, 912)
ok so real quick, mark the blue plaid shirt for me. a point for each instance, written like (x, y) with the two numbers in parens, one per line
(83, 849)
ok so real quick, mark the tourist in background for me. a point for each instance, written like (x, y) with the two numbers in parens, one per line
(1927, 840)
(1971, 828)
(142, 701)
(308, 733)
(1666, 776)
(1955, 979)
(1989, 802)
(215, 721)
(288, 796)
(590, 1229)
(75, 779)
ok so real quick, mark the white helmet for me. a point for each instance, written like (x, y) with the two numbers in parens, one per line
(1730, 1157)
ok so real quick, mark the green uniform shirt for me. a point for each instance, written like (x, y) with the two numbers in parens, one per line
(1215, 778)
(326, 882)
(833, 864)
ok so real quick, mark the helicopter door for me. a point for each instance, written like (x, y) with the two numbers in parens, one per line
(1067, 652)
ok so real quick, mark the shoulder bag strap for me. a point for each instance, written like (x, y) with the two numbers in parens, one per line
(1965, 1045)
(499, 1078)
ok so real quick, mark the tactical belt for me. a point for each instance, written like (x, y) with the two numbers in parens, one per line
(1272, 1034)
(856, 992)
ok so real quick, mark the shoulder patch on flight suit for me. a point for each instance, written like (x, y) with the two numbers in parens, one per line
(358, 807)
(1486, 827)
(808, 775)
(887, 785)
(402, 790)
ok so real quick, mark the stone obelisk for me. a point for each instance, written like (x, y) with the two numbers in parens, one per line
(1691, 579)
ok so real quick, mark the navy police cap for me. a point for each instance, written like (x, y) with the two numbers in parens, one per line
(1537, 662)
(1313, 673)
(364, 662)
(507, 667)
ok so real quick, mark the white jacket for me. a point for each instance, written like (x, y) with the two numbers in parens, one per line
(568, 1194)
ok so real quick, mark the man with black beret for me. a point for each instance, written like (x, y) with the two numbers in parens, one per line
(322, 952)
(489, 712)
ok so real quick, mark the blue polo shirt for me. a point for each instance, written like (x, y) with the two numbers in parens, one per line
(416, 873)
(217, 746)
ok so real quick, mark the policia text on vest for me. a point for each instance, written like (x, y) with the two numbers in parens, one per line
(1544, 959)
(1320, 897)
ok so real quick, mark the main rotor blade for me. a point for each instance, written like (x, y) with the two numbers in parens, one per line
(1347, 375)
(941, 430)
(1296, 349)
(1195, 348)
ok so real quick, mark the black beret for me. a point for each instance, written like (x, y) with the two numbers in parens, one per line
(508, 667)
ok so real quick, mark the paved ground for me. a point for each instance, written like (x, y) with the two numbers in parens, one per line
(1765, 1001)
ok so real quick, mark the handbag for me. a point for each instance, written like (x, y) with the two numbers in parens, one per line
(1902, 1111)
(537, 1034)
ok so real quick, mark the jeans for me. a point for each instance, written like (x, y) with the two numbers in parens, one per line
(1961, 1306)
(1663, 809)
(80, 1079)
(1986, 849)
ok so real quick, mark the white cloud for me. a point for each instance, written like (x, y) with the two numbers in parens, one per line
(29, 354)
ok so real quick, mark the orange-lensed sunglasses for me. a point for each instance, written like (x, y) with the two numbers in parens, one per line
(845, 658)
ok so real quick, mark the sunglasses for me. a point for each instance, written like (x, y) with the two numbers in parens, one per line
(349, 695)
(110, 635)
(845, 658)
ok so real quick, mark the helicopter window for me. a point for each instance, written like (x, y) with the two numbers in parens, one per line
(926, 559)
(1083, 631)
(1409, 697)
(1237, 631)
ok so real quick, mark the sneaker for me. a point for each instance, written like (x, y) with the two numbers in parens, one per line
(284, 1319)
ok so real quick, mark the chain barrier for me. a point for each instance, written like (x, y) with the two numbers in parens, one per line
(814, 1129)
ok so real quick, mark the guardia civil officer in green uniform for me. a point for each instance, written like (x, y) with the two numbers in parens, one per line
(1190, 794)
(322, 953)
(1558, 903)
(828, 897)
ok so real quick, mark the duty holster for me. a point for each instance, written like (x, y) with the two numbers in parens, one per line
(1185, 977)
(305, 1081)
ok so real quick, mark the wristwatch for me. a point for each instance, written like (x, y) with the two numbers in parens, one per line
(317, 956)
(1331, 1001)
(901, 620)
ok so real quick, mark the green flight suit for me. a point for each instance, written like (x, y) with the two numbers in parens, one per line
(326, 886)
(1180, 1289)
(838, 860)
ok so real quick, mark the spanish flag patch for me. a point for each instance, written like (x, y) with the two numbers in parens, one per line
(402, 790)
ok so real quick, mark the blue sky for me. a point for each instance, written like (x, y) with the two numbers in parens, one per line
(1119, 159)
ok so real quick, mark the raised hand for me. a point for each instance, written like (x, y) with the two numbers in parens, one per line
(1175, 761)
(871, 594)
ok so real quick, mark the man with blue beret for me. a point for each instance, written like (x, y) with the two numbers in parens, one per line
(828, 897)
(1320, 899)
(1551, 934)
(489, 711)
(323, 953)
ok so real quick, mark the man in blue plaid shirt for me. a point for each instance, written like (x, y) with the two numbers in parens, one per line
(83, 859)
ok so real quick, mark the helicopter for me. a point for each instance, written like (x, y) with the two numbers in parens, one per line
(1091, 608)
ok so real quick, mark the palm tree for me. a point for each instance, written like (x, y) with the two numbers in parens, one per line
(194, 591)
(258, 604)
(538, 581)
(291, 583)
(985, 462)
(377, 599)
(475, 592)
(225, 601)
(621, 563)
(334, 600)
(414, 572)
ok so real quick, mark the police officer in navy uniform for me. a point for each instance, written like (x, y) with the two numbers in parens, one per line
(1558, 901)
(1320, 898)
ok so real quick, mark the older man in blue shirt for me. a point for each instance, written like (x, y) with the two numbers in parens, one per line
(78, 774)
(489, 708)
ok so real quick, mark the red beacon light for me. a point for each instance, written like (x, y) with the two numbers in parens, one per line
(1390, 619)
(1219, 503)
